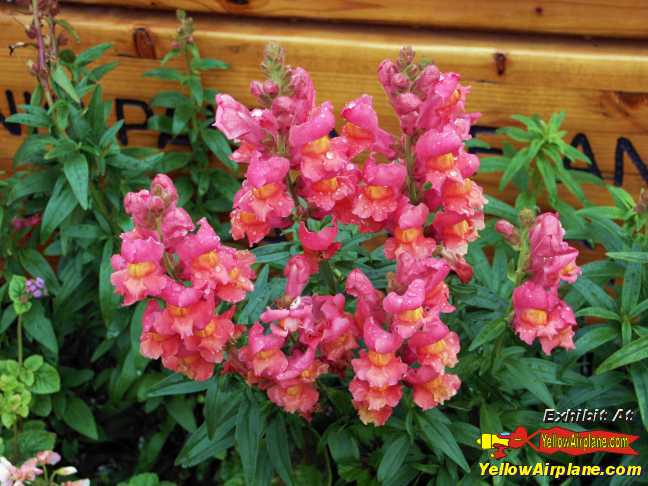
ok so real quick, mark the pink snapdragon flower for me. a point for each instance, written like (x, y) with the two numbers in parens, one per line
(432, 388)
(138, 271)
(407, 310)
(362, 130)
(539, 313)
(263, 353)
(236, 122)
(187, 309)
(552, 259)
(379, 192)
(408, 233)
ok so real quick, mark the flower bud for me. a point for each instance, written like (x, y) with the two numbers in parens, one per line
(66, 471)
(508, 231)
(642, 205)
(527, 217)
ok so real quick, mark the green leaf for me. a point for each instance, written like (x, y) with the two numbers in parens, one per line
(526, 378)
(33, 183)
(278, 449)
(29, 120)
(32, 441)
(594, 294)
(343, 446)
(631, 353)
(489, 332)
(591, 338)
(493, 164)
(257, 299)
(629, 256)
(92, 54)
(218, 144)
(61, 79)
(177, 384)
(219, 402)
(7, 319)
(108, 299)
(60, 205)
(78, 416)
(598, 312)
(181, 410)
(46, 380)
(609, 212)
(566, 178)
(393, 458)
(169, 99)
(519, 160)
(249, 430)
(631, 288)
(639, 309)
(39, 328)
(639, 374)
(34, 362)
(199, 447)
(438, 436)
(207, 64)
(181, 116)
(549, 176)
(68, 28)
(167, 74)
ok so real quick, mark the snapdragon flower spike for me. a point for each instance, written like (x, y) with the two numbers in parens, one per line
(539, 313)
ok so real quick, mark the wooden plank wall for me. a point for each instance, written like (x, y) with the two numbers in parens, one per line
(602, 83)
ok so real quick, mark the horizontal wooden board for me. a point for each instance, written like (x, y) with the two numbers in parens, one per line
(607, 18)
(600, 84)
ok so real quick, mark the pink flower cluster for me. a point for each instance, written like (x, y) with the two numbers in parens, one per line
(416, 187)
(184, 271)
(29, 471)
(364, 176)
(539, 311)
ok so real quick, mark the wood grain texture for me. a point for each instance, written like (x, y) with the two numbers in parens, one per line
(602, 85)
(604, 18)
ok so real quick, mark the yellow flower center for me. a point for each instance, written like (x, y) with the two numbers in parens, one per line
(326, 185)
(458, 189)
(379, 359)
(435, 348)
(208, 330)
(461, 228)
(376, 193)
(567, 269)
(317, 147)
(407, 235)
(248, 217)
(354, 131)
(177, 311)
(293, 391)
(268, 353)
(537, 317)
(442, 163)
(412, 315)
(206, 260)
(266, 191)
(435, 385)
(140, 270)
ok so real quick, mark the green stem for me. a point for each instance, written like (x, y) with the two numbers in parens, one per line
(20, 340)
(410, 160)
